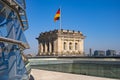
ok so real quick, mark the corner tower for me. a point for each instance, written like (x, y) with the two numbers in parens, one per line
(61, 42)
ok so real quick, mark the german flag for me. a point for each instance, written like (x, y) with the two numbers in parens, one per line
(57, 15)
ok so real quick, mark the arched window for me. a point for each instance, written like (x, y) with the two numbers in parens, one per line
(64, 45)
(70, 46)
(76, 46)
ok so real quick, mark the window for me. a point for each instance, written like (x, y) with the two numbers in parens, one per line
(64, 45)
(76, 46)
(70, 46)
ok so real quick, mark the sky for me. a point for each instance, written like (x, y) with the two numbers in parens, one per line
(98, 20)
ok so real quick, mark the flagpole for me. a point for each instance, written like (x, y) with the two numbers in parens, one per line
(60, 19)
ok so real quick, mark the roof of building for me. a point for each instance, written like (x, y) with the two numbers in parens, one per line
(67, 33)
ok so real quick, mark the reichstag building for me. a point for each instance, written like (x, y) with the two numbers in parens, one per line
(61, 42)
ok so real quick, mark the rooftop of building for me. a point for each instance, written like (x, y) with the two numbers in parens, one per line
(36, 74)
(61, 32)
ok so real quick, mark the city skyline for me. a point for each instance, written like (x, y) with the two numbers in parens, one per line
(98, 20)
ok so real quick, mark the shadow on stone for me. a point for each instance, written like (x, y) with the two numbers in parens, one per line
(31, 77)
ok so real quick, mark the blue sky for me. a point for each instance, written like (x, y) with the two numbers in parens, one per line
(98, 20)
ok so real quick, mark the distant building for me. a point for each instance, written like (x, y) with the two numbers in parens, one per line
(90, 52)
(110, 52)
(61, 42)
(99, 53)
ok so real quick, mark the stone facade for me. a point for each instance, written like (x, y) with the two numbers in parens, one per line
(61, 42)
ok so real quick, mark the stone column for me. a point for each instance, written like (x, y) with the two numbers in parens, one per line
(50, 47)
(41, 48)
(55, 47)
(45, 47)
(73, 45)
(59, 46)
(81, 46)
